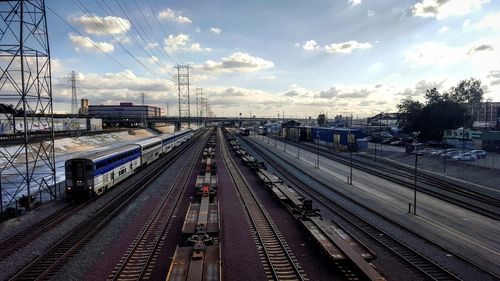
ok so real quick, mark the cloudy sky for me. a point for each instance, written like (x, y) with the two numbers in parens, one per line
(301, 57)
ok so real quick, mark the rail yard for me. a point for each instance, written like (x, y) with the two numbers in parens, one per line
(221, 205)
(344, 140)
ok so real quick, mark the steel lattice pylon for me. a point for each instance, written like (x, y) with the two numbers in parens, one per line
(27, 162)
(183, 91)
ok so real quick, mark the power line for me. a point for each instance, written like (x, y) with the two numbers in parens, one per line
(162, 28)
(90, 41)
(139, 34)
(100, 25)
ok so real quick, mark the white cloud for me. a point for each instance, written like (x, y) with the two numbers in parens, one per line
(237, 62)
(268, 77)
(466, 23)
(354, 2)
(215, 30)
(86, 43)
(198, 30)
(441, 9)
(491, 21)
(443, 29)
(430, 53)
(175, 16)
(310, 45)
(112, 88)
(181, 43)
(152, 45)
(101, 25)
(376, 66)
(346, 47)
(371, 13)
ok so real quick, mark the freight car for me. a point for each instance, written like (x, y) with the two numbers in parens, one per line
(95, 172)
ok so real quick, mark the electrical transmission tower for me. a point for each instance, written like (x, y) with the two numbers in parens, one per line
(199, 97)
(27, 168)
(204, 108)
(74, 99)
(183, 92)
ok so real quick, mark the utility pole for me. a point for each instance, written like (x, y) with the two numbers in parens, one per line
(167, 110)
(183, 92)
(74, 99)
(144, 112)
(415, 140)
(199, 105)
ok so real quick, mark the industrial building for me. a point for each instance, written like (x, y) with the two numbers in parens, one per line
(124, 110)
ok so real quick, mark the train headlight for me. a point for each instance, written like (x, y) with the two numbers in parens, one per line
(90, 187)
(69, 188)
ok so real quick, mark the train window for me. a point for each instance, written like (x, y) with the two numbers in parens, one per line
(77, 170)
(88, 167)
(151, 145)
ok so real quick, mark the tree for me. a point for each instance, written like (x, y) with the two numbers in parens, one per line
(409, 110)
(468, 92)
(438, 113)
(321, 120)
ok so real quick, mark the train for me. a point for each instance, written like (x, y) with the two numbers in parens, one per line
(94, 173)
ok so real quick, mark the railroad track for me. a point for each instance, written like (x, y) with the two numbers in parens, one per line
(278, 259)
(425, 265)
(447, 191)
(49, 262)
(139, 259)
(26, 236)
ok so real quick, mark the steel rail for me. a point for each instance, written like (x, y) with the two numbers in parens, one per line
(411, 256)
(455, 194)
(145, 245)
(52, 259)
(277, 253)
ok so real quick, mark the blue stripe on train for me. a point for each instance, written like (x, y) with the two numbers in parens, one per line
(114, 165)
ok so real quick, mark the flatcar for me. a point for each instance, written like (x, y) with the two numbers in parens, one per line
(244, 131)
(95, 172)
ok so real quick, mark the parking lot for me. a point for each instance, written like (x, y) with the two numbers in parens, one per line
(482, 170)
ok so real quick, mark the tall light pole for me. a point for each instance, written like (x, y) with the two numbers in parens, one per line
(444, 158)
(317, 150)
(284, 137)
(350, 146)
(381, 137)
(415, 137)
(298, 147)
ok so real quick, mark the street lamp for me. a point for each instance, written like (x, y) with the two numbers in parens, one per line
(350, 146)
(284, 137)
(317, 149)
(415, 137)
(444, 158)
(298, 146)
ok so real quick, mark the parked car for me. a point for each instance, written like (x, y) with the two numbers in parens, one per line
(437, 152)
(479, 153)
(464, 157)
(450, 154)
(427, 151)
(398, 143)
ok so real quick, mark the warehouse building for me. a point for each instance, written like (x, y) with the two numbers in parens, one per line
(124, 110)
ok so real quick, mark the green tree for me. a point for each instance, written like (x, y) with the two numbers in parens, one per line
(468, 92)
(438, 113)
(409, 111)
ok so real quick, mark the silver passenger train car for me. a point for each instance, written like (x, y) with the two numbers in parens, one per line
(95, 172)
